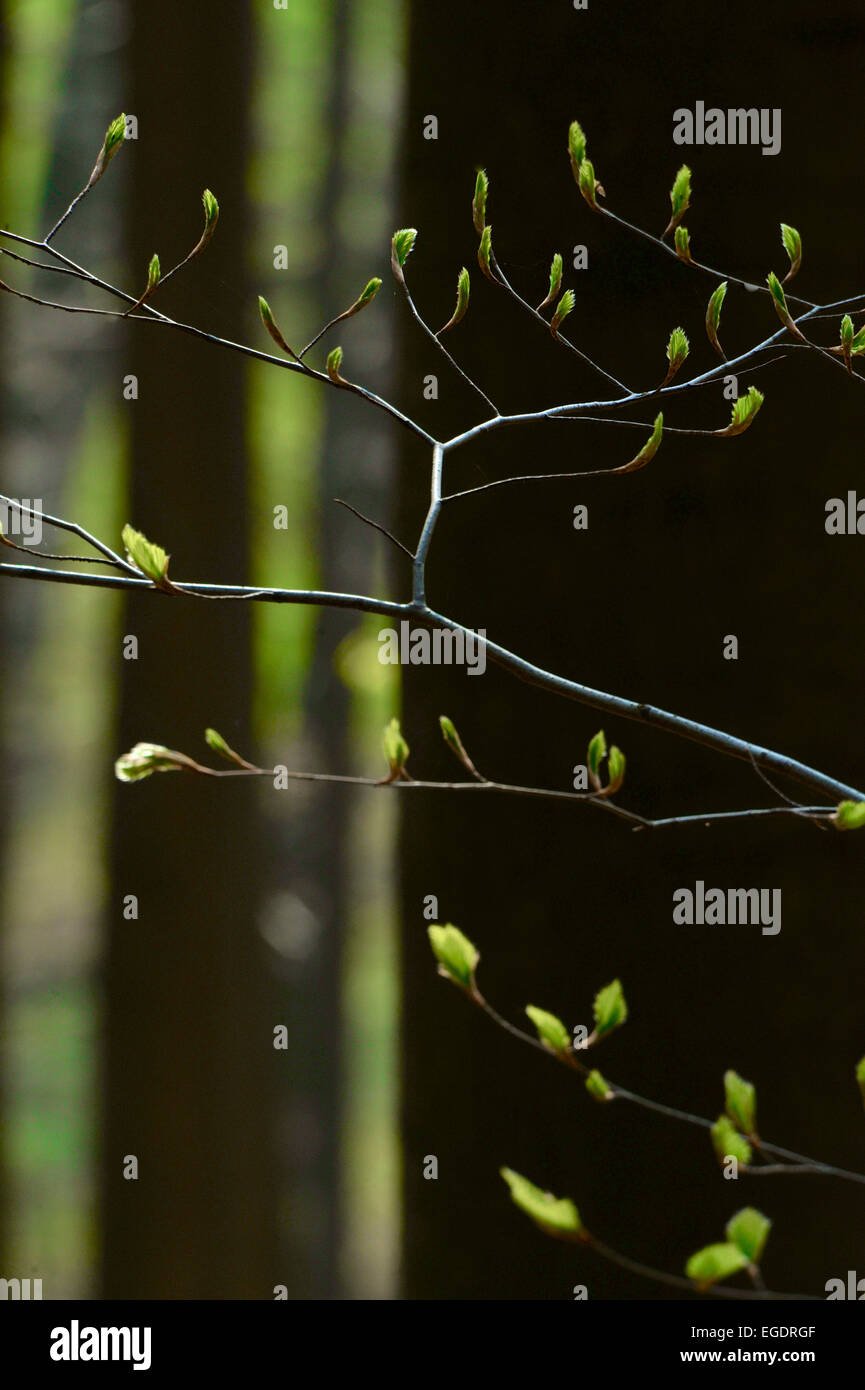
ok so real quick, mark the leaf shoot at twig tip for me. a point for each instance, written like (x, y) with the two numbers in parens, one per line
(713, 316)
(455, 744)
(211, 217)
(729, 1143)
(678, 348)
(272, 326)
(557, 1216)
(463, 291)
(151, 559)
(457, 956)
(589, 186)
(479, 201)
(779, 299)
(576, 147)
(485, 251)
(646, 454)
(555, 282)
(563, 308)
(680, 198)
(740, 1101)
(114, 137)
(850, 815)
(396, 750)
(714, 1263)
(401, 247)
(598, 1087)
(743, 414)
(610, 1009)
(749, 1230)
(218, 744)
(146, 758)
(334, 362)
(550, 1029)
(683, 245)
(792, 243)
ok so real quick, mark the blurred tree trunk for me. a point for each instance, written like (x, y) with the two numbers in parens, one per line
(706, 543)
(188, 1025)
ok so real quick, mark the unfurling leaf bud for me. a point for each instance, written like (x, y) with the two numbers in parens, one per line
(272, 327)
(598, 1088)
(557, 1216)
(396, 749)
(555, 282)
(713, 316)
(741, 1102)
(154, 274)
(457, 956)
(485, 251)
(683, 245)
(334, 362)
(114, 137)
(211, 217)
(615, 770)
(589, 186)
(743, 414)
(793, 246)
(479, 202)
(779, 299)
(850, 815)
(610, 1009)
(749, 1230)
(715, 1262)
(576, 147)
(401, 247)
(463, 291)
(151, 559)
(455, 744)
(647, 453)
(677, 351)
(680, 198)
(550, 1029)
(597, 751)
(146, 758)
(218, 744)
(729, 1143)
(563, 308)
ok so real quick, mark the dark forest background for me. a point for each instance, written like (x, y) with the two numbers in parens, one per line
(153, 1037)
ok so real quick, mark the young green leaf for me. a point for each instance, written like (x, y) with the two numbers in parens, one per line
(589, 186)
(648, 451)
(146, 758)
(850, 815)
(485, 250)
(729, 1143)
(615, 770)
(741, 1102)
(576, 147)
(860, 1076)
(749, 1230)
(743, 414)
(479, 202)
(272, 327)
(211, 217)
(334, 362)
(401, 247)
(557, 1216)
(114, 137)
(455, 744)
(218, 744)
(714, 1263)
(683, 245)
(677, 352)
(563, 308)
(792, 243)
(680, 198)
(551, 1031)
(396, 750)
(779, 299)
(598, 1088)
(456, 955)
(463, 291)
(610, 1009)
(555, 282)
(595, 755)
(151, 559)
(713, 317)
